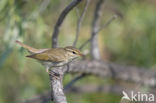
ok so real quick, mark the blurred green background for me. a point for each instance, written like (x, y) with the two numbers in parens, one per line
(130, 40)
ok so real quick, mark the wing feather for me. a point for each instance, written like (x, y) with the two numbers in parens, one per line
(54, 55)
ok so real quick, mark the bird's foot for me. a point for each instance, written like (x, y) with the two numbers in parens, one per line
(54, 74)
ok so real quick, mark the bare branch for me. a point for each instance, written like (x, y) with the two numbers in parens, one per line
(80, 19)
(84, 44)
(56, 83)
(95, 53)
(45, 97)
(115, 71)
(56, 78)
(102, 27)
(88, 88)
(77, 12)
(107, 70)
(107, 23)
(74, 80)
(60, 21)
(102, 69)
(98, 30)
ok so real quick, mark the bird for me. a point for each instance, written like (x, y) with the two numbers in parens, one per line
(52, 57)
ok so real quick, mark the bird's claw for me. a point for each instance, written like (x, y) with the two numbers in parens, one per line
(54, 74)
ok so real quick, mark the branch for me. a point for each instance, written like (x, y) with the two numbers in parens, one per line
(60, 21)
(69, 85)
(102, 27)
(107, 23)
(143, 76)
(56, 78)
(95, 53)
(80, 19)
(45, 97)
(108, 70)
(115, 71)
(88, 88)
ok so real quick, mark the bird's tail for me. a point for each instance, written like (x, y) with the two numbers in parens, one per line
(30, 49)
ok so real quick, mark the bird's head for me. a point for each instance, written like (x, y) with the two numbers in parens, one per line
(73, 52)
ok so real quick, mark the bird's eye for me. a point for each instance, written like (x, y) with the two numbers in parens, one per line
(74, 52)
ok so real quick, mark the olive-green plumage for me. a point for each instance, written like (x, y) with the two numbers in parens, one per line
(52, 57)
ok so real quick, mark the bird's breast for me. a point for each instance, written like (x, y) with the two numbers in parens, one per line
(53, 64)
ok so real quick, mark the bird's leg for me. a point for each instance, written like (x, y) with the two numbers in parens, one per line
(55, 75)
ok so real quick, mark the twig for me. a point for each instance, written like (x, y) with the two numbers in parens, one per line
(80, 19)
(84, 44)
(60, 21)
(77, 12)
(101, 28)
(69, 85)
(107, 23)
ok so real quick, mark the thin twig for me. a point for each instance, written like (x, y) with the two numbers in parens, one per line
(77, 12)
(79, 22)
(60, 21)
(107, 23)
(74, 80)
(100, 29)
(84, 44)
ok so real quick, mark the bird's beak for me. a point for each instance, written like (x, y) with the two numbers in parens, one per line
(82, 55)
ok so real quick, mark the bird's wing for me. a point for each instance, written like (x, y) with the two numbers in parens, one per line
(48, 55)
